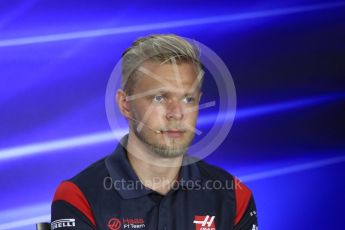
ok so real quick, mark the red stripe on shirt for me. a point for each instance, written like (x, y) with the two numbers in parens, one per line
(242, 195)
(70, 193)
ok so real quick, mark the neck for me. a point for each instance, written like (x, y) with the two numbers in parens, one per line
(155, 172)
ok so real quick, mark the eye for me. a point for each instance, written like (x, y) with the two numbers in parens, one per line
(158, 98)
(189, 99)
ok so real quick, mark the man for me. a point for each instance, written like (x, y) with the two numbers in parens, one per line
(150, 181)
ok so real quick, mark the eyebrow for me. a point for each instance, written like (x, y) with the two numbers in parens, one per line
(168, 92)
(163, 92)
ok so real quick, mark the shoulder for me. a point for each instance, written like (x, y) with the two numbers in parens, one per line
(73, 197)
(212, 172)
(91, 175)
(77, 188)
(240, 193)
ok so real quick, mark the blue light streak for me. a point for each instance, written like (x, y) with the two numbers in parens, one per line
(94, 138)
(167, 24)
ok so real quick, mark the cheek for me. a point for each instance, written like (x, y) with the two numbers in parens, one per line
(155, 111)
(193, 115)
(153, 116)
(141, 109)
(157, 115)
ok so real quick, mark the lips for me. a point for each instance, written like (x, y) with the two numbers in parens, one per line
(175, 133)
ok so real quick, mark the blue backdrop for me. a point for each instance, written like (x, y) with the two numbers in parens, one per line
(287, 62)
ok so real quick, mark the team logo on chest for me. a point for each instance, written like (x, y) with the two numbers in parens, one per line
(126, 223)
(114, 224)
(204, 222)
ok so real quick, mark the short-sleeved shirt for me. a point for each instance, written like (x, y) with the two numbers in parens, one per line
(109, 195)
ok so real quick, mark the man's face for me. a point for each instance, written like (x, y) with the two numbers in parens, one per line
(165, 98)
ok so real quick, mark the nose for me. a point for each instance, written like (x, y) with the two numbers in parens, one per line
(174, 110)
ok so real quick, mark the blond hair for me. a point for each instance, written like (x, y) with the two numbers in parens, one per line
(157, 47)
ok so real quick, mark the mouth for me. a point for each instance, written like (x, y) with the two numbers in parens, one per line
(174, 133)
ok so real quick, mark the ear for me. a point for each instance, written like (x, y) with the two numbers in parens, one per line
(121, 99)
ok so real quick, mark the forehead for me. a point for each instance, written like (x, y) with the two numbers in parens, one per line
(153, 75)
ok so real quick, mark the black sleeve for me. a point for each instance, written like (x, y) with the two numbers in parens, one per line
(249, 219)
(65, 216)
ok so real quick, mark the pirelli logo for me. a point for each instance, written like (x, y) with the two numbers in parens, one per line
(62, 223)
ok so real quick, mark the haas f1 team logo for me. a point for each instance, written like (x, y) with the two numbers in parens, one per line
(114, 224)
(204, 222)
(126, 223)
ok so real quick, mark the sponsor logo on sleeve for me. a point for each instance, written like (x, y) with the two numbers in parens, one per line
(62, 223)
